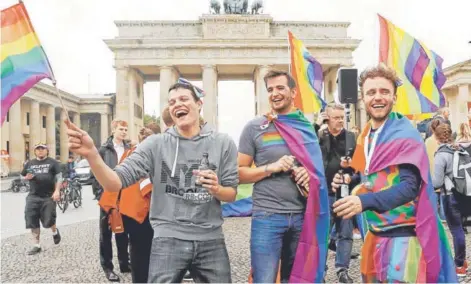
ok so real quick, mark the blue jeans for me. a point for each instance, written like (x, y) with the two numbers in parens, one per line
(441, 210)
(207, 261)
(453, 218)
(274, 237)
(342, 232)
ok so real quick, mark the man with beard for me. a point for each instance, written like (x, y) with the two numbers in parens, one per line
(406, 241)
(45, 177)
(185, 210)
(278, 205)
(111, 152)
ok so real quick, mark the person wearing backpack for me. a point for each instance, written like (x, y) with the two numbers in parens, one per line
(444, 178)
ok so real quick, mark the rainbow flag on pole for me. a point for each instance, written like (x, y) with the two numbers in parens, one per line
(307, 72)
(419, 68)
(23, 60)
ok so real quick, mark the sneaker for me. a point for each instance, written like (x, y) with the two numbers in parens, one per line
(57, 237)
(461, 271)
(34, 250)
(187, 276)
(344, 277)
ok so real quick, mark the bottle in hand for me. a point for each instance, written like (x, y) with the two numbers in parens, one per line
(343, 190)
(204, 165)
(302, 190)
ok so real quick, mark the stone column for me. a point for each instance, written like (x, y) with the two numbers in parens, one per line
(167, 78)
(261, 94)
(64, 140)
(123, 99)
(17, 141)
(51, 130)
(76, 119)
(104, 126)
(210, 87)
(463, 98)
(34, 127)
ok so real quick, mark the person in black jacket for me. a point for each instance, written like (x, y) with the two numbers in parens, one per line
(335, 141)
(111, 152)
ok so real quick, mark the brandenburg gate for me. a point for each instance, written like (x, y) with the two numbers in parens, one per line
(217, 47)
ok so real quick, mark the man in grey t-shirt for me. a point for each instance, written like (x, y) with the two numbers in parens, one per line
(278, 206)
(185, 214)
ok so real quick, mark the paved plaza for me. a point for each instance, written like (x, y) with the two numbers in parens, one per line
(76, 258)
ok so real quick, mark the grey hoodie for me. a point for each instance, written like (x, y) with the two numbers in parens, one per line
(444, 168)
(177, 210)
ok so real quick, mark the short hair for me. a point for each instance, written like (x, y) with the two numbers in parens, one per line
(117, 122)
(166, 117)
(154, 127)
(381, 71)
(188, 87)
(145, 132)
(442, 110)
(277, 73)
(335, 106)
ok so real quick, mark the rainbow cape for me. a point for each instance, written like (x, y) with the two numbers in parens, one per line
(311, 254)
(23, 60)
(307, 72)
(419, 68)
(400, 143)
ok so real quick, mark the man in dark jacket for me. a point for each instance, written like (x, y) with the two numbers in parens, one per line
(111, 152)
(335, 141)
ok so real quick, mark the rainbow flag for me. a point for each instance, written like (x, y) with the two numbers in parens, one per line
(400, 143)
(307, 72)
(23, 60)
(419, 69)
(311, 254)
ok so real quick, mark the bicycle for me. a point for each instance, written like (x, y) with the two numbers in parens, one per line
(70, 192)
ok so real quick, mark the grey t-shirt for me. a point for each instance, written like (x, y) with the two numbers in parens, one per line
(277, 193)
(179, 208)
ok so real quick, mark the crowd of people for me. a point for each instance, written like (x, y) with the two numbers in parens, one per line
(163, 195)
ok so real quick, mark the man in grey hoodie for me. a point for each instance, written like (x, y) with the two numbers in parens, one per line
(185, 214)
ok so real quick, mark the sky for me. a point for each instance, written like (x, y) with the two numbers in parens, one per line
(72, 33)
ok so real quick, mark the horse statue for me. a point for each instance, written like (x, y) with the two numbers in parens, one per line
(215, 6)
(235, 6)
(257, 6)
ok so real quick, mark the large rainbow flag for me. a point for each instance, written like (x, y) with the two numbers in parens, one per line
(311, 254)
(307, 72)
(419, 68)
(23, 60)
(400, 143)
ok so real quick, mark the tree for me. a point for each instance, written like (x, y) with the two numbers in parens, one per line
(151, 118)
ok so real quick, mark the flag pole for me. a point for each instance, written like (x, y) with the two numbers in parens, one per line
(58, 93)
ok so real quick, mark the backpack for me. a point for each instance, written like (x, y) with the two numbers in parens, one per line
(462, 181)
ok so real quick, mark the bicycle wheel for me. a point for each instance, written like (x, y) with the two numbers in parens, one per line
(78, 198)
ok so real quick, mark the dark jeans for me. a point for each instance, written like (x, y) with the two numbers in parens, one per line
(106, 250)
(274, 237)
(207, 261)
(342, 232)
(453, 218)
(140, 236)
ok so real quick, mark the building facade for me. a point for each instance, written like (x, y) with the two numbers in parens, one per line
(38, 117)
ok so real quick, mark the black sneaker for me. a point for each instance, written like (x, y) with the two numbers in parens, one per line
(187, 276)
(57, 237)
(344, 277)
(34, 250)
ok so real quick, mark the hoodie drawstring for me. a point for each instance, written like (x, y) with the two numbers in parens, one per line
(176, 157)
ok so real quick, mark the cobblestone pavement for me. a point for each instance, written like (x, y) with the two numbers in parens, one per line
(76, 259)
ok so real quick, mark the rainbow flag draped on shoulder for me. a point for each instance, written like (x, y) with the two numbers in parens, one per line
(311, 254)
(400, 143)
(419, 68)
(307, 72)
(23, 60)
